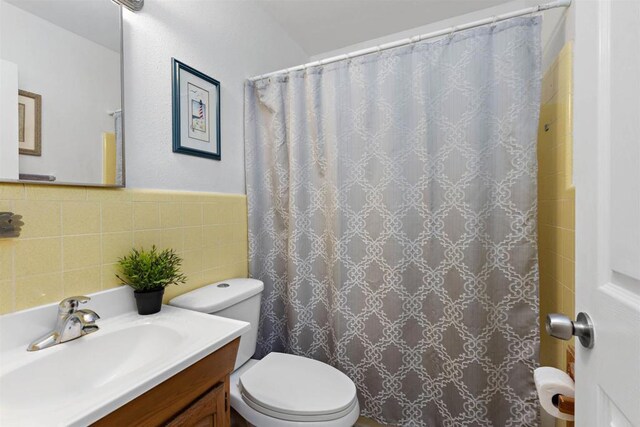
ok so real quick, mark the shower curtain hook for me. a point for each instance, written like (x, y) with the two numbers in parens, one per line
(495, 19)
(453, 30)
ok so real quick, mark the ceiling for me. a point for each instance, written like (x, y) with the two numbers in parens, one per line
(321, 26)
(96, 20)
(318, 26)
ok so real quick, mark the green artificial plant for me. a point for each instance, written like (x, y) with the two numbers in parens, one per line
(151, 270)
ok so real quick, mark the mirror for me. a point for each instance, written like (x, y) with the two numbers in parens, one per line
(61, 92)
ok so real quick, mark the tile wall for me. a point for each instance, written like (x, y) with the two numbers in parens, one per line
(556, 203)
(73, 236)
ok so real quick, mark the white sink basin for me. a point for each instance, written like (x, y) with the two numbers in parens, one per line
(78, 382)
(86, 365)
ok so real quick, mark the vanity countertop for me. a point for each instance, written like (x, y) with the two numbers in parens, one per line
(78, 382)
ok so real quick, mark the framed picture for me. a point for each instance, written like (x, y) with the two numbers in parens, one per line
(196, 112)
(29, 123)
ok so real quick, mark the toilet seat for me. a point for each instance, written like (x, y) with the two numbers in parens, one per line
(294, 417)
(310, 394)
(295, 388)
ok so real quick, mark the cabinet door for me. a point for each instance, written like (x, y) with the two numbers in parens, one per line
(208, 411)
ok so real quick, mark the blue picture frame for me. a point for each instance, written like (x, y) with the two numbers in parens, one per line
(198, 134)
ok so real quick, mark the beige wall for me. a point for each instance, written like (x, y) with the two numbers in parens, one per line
(73, 237)
(556, 203)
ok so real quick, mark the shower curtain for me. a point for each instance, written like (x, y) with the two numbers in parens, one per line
(392, 218)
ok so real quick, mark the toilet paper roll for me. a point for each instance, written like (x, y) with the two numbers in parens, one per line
(549, 382)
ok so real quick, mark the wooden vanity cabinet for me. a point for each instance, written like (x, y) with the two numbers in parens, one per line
(208, 411)
(197, 396)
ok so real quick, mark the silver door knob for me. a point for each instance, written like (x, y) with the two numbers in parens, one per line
(560, 326)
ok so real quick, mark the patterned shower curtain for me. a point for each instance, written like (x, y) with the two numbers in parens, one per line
(392, 218)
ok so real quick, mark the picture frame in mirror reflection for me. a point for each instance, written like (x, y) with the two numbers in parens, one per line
(196, 112)
(29, 123)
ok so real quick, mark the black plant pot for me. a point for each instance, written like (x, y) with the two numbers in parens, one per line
(149, 302)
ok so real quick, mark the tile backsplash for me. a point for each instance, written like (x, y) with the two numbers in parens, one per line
(73, 237)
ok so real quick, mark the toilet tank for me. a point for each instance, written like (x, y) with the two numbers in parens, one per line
(234, 299)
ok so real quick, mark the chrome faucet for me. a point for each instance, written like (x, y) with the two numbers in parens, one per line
(71, 324)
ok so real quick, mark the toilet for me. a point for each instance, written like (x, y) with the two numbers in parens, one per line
(280, 390)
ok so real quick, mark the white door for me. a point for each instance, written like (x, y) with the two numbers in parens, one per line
(607, 178)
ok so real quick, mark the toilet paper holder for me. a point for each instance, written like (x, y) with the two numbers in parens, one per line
(566, 404)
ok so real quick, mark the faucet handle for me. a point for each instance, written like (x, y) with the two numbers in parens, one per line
(70, 305)
(88, 316)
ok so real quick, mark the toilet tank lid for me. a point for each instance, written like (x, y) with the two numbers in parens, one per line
(218, 296)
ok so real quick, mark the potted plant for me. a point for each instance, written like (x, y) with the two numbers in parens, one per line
(148, 273)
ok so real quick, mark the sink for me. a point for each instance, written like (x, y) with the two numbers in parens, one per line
(80, 381)
(87, 364)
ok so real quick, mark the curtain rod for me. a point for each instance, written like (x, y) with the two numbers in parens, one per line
(533, 9)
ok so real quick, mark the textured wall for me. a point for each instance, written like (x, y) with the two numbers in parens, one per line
(227, 40)
(73, 236)
(556, 203)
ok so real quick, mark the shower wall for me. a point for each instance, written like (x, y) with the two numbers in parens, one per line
(556, 203)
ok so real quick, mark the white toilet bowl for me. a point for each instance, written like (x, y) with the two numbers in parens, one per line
(281, 390)
(263, 414)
